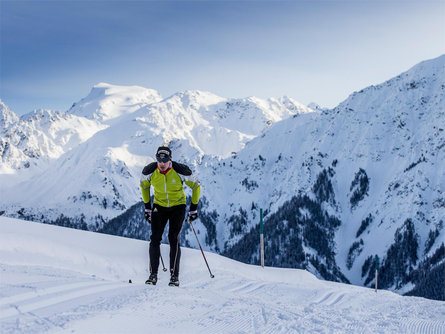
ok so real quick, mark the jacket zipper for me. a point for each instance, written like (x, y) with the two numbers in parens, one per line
(165, 188)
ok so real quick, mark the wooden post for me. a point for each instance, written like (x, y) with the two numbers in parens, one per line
(376, 272)
(261, 238)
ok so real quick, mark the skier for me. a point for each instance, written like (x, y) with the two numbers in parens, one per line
(167, 178)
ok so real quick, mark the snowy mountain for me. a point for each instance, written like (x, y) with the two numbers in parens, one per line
(97, 177)
(39, 137)
(59, 280)
(338, 186)
(367, 177)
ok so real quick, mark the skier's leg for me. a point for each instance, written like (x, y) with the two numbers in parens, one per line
(175, 223)
(158, 222)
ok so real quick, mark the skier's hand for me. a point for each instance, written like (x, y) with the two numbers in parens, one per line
(193, 215)
(147, 215)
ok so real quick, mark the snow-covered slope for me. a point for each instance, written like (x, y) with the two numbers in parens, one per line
(59, 280)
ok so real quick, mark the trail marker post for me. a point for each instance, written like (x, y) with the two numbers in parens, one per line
(376, 272)
(261, 238)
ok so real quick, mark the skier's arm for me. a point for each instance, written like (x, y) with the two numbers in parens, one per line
(145, 184)
(145, 189)
(189, 179)
(193, 183)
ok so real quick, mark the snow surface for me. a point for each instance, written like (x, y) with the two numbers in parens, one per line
(60, 280)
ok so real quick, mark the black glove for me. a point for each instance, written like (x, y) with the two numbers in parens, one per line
(193, 215)
(147, 215)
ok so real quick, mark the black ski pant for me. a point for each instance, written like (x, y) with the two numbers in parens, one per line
(160, 215)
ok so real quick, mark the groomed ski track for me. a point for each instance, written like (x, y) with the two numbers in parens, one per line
(58, 280)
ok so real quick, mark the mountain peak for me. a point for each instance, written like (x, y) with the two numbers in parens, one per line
(189, 98)
(433, 66)
(315, 106)
(409, 90)
(7, 116)
(106, 102)
(295, 106)
(40, 114)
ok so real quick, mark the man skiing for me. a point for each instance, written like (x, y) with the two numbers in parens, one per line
(167, 178)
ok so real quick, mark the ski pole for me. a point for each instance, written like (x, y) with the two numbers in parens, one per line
(162, 261)
(211, 275)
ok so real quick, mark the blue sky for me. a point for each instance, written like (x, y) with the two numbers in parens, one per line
(53, 52)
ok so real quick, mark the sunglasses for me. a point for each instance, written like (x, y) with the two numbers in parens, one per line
(163, 159)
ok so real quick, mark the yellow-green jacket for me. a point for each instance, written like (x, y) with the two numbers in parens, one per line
(168, 188)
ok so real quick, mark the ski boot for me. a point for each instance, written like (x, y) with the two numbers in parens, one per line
(152, 280)
(174, 281)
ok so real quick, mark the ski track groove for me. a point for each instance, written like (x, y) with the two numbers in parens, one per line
(337, 300)
(324, 298)
(227, 320)
(303, 319)
(51, 298)
(255, 313)
(422, 326)
(45, 291)
(315, 315)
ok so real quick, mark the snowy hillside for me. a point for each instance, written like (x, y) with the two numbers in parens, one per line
(344, 185)
(59, 280)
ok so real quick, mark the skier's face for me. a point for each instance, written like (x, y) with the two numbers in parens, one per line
(163, 166)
